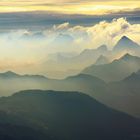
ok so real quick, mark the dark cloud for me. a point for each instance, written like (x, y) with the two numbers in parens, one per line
(41, 20)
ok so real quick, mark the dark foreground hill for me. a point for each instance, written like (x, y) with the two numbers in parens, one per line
(122, 95)
(17, 132)
(67, 116)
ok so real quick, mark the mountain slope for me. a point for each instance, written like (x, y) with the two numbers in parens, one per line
(125, 94)
(18, 82)
(16, 132)
(101, 60)
(126, 44)
(116, 70)
(70, 115)
(65, 66)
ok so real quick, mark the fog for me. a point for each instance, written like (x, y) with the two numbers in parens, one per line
(37, 51)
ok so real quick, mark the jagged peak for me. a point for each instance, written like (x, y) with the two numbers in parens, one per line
(125, 38)
(128, 56)
(126, 43)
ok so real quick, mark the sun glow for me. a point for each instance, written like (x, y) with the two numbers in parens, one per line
(89, 8)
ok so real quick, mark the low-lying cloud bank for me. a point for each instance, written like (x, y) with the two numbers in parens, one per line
(32, 47)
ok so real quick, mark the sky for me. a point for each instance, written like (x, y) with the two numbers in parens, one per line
(86, 7)
(27, 51)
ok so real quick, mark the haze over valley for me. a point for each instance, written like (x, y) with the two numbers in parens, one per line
(69, 70)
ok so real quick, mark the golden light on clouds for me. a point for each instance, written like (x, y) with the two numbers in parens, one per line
(70, 6)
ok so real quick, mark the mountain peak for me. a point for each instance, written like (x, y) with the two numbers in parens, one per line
(126, 43)
(101, 60)
(125, 38)
(102, 48)
(128, 56)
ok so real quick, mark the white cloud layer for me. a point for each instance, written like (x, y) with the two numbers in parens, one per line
(33, 47)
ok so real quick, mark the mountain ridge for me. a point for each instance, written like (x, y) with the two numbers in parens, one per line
(116, 70)
(64, 113)
(126, 43)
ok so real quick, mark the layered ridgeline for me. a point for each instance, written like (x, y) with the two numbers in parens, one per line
(80, 82)
(116, 70)
(124, 95)
(101, 60)
(113, 71)
(62, 66)
(102, 55)
(64, 116)
(120, 95)
(11, 82)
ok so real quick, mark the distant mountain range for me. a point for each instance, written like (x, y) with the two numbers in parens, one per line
(63, 116)
(122, 95)
(116, 70)
(10, 74)
(72, 65)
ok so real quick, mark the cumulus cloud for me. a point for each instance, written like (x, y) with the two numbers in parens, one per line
(102, 33)
(61, 26)
(105, 32)
(83, 36)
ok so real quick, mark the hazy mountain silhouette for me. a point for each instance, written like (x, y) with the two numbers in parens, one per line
(82, 83)
(66, 66)
(93, 52)
(101, 60)
(122, 95)
(125, 95)
(127, 44)
(133, 78)
(68, 115)
(116, 70)
(10, 74)
(11, 82)
(63, 66)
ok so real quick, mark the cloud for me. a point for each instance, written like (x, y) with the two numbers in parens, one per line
(61, 26)
(83, 36)
(85, 7)
(105, 32)
(66, 38)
